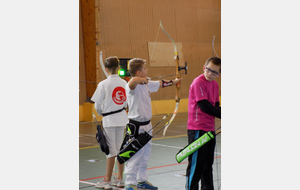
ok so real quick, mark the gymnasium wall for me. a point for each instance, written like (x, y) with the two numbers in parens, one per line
(129, 28)
(82, 85)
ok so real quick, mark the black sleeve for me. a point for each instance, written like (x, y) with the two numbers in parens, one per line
(206, 107)
(217, 104)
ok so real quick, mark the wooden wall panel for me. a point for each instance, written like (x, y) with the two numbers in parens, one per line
(212, 4)
(208, 19)
(114, 28)
(125, 27)
(99, 73)
(186, 21)
(82, 85)
(89, 28)
(140, 21)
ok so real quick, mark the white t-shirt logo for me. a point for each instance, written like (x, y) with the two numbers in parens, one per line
(119, 95)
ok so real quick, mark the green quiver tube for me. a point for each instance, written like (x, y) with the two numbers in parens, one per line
(189, 149)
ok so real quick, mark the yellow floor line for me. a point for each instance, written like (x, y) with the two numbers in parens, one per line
(169, 137)
(88, 147)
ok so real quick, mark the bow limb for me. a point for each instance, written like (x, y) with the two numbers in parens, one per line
(175, 47)
(102, 65)
(213, 48)
(178, 85)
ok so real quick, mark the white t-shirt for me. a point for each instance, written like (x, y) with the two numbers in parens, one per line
(139, 101)
(110, 96)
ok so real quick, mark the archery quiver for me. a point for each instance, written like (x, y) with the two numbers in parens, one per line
(132, 142)
(133, 146)
(131, 133)
(101, 139)
(189, 149)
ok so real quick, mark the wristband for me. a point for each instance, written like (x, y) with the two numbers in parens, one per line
(165, 84)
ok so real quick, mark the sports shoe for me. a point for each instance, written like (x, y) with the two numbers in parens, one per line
(118, 183)
(131, 187)
(104, 185)
(146, 185)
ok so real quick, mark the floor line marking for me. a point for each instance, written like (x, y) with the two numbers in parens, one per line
(88, 147)
(169, 137)
(89, 183)
(147, 169)
(167, 146)
(152, 139)
(87, 135)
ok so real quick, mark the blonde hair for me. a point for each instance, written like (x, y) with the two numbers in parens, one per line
(135, 65)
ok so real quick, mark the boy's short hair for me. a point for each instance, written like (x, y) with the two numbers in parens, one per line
(112, 63)
(135, 65)
(215, 61)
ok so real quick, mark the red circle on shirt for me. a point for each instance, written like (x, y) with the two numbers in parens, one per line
(119, 95)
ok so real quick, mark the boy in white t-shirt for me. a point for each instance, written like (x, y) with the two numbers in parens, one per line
(138, 92)
(110, 102)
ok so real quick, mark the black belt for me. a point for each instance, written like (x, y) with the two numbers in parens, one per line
(112, 112)
(139, 123)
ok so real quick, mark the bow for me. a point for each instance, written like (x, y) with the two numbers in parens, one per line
(102, 65)
(103, 69)
(178, 85)
(213, 48)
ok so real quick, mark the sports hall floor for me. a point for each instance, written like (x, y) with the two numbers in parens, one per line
(163, 170)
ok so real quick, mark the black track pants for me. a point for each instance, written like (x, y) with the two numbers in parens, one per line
(200, 163)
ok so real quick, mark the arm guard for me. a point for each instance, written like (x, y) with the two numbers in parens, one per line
(165, 84)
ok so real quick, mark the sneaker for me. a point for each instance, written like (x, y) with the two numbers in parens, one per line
(104, 185)
(118, 183)
(131, 187)
(146, 185)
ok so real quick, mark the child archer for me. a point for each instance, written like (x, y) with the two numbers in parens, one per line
(110, 102)
(138, 91)
(203, 107)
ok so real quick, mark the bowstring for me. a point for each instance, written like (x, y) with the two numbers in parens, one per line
(154, 45)
(150, 59)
